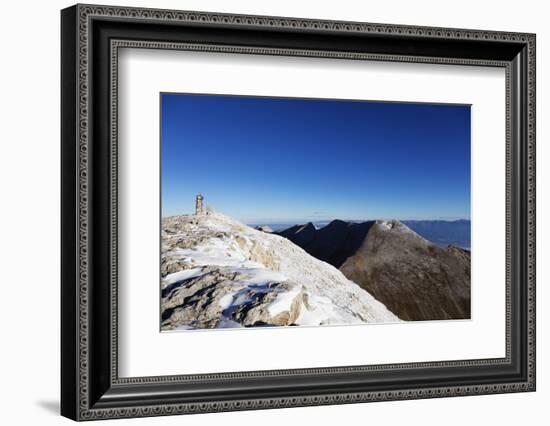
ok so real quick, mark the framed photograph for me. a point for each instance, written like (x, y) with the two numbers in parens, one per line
(263, 212)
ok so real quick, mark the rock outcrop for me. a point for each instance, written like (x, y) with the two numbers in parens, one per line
(264, 228)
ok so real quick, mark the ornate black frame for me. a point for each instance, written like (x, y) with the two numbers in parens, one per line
(91, 37)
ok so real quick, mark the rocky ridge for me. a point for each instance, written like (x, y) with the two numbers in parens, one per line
(219, 273)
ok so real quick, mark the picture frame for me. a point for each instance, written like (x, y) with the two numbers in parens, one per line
(91, 37)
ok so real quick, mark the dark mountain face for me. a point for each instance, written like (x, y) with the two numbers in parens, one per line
(332, 244)
(300, 235)
(414, 278)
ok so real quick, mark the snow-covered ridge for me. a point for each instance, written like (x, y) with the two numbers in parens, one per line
(217, 273)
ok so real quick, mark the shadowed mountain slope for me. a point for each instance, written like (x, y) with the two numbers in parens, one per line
(333, 243)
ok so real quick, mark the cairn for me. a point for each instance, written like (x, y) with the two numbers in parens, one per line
(199, 206)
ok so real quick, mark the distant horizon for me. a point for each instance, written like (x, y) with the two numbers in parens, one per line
(292, 160)
(314, 221)
(355, 221)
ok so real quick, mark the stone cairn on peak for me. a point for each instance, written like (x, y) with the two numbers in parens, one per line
(199, 206)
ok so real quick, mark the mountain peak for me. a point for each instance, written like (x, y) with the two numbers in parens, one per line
(395, 225)
(307, 228)
(337, 223)
(413, 277)
(416, 279)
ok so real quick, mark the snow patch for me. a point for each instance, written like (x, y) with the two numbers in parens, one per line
(226, 301)
(385, 224)
(215, 253)
(185, 274)
(283, 302)
(227, 323)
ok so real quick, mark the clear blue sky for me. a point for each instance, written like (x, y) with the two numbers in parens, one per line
(279, 160)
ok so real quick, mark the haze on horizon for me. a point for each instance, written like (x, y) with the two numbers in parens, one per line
(283, 160)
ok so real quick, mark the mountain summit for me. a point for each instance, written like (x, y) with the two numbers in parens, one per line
(219, 273)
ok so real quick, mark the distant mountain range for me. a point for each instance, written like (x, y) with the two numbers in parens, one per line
(415, 278)
(443, 232)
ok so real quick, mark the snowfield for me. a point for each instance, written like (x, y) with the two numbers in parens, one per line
(219, 273)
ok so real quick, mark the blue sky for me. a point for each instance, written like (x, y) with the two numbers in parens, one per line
(281, 160)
